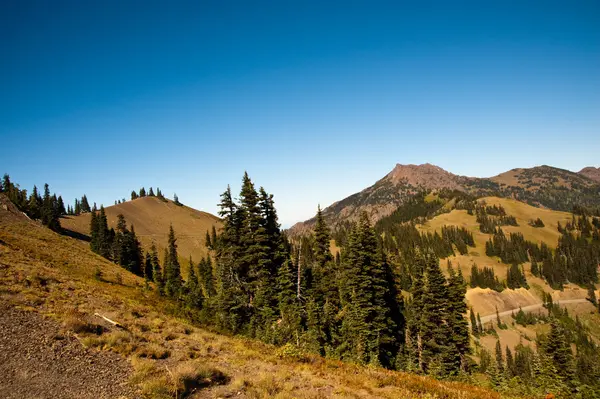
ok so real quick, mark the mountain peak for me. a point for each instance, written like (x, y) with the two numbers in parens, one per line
(591, 173)
(425, 175)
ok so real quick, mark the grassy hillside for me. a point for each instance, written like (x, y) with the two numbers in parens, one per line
(151, 218)
(520, 210)
(56, 277)
(486, 301)
(523, 213)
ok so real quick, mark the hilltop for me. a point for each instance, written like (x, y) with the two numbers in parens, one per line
(52, 280)
(541, 186)
(151, 218)
(591, 173)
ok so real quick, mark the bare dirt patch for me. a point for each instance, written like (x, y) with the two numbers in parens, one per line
(38, 360)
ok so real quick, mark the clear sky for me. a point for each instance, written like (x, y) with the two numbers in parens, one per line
(316, 100)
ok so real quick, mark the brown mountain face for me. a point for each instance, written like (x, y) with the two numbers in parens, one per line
(542, 186)
(591, 173)
(426, 175)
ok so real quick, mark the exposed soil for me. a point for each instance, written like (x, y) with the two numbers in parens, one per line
(39, 360)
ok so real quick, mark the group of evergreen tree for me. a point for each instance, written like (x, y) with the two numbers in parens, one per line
(511, 249)
(416, 208)
(492, 217)
(485, 278)
(120, 245)
(141, 193)
(401, 240)
(437, 334)
(262, 286)
(574, 260)
(81, 206)
(528, 318)
(515, 277)
(554, 367)
(536, 223)
(47, 208)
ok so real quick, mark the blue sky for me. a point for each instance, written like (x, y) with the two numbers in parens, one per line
(316, 101)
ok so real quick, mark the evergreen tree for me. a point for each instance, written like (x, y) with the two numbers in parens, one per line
(435, 332)
(558, 349)
(49, 211)
(413, 314)
(193, 291)
(61, 206)
(459, 343)
(94, 244)
(499, 320)
(148, 268)
(206, 277)
(85, 206)
(176, 200)
(290, 318)
(207, 240)
(151, 192)
(592, 295)
(35, 204)
(499, 358)
(510, 364)
(213, 236)
(157, 273)
(136, 256)
(535, 268)
(474, 326)
(231, 302)
(356, 297)
(101, 240)
(173, 281)
(257, 263)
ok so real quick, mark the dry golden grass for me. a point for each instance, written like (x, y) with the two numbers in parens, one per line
(151, 218)
(485, 301)
(30, 254)
(524, 212)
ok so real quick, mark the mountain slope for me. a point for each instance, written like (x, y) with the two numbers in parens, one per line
(151, 218)
(53, 276)
(486, 301)
(542, 186)
(591, 173)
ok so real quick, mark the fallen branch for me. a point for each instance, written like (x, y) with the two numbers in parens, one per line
(114, 323)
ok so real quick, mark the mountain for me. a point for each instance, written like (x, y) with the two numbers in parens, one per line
(56, 345)
(542, 186)
(151, 218)
(591, 173)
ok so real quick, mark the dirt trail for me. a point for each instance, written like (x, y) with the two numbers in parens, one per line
(485, 319)
(38, 361)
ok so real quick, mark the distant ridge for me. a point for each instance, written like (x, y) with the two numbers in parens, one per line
(542, 186)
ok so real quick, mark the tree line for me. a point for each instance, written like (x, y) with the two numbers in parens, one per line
(47, 208)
